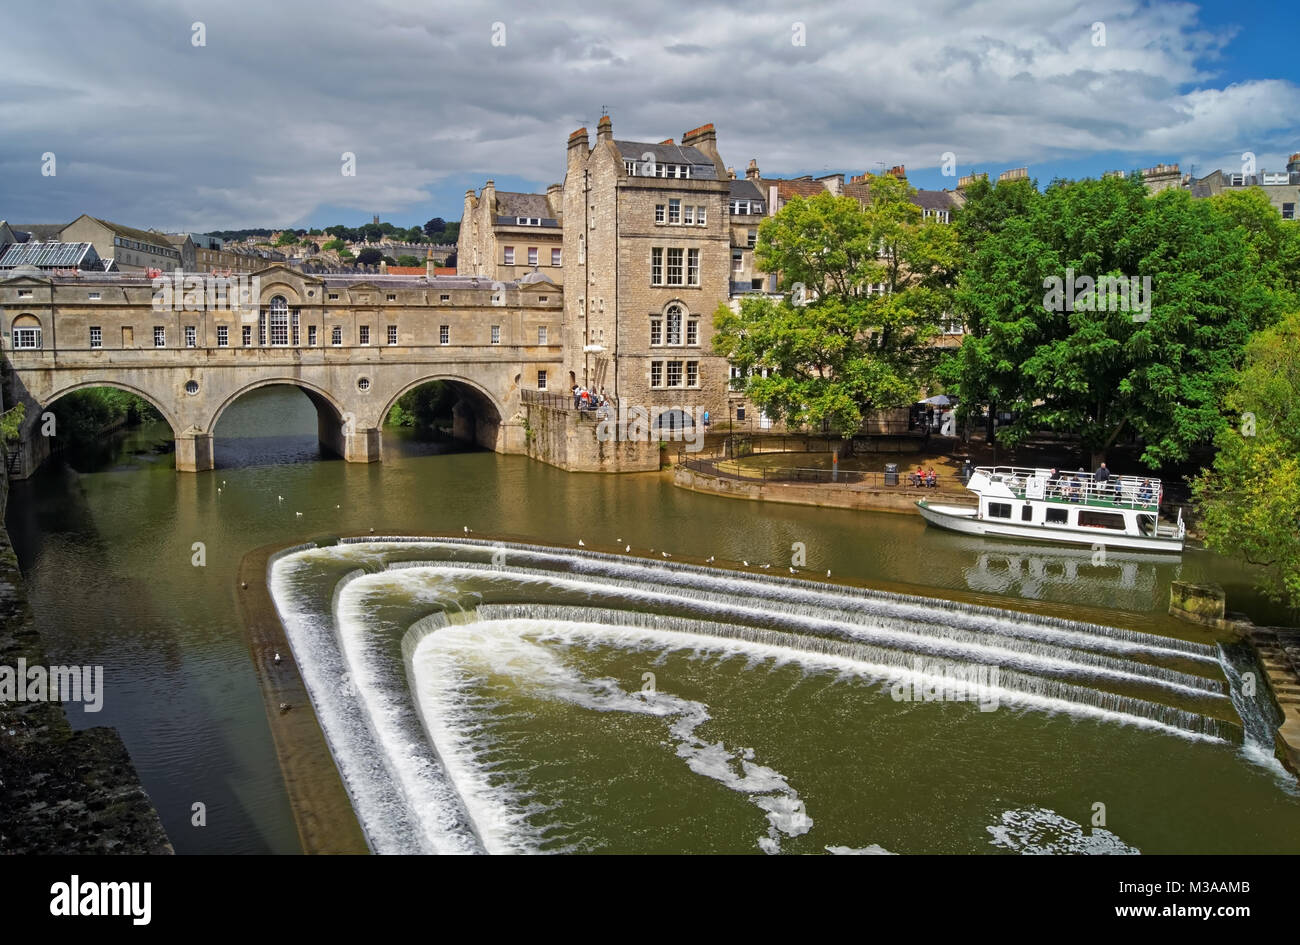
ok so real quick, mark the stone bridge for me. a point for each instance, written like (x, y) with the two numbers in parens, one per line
(193, 368)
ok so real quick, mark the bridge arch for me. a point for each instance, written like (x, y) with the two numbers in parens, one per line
(334, 424)
(477, 416)
(157, 403)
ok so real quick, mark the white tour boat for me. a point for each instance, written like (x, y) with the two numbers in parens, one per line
(1074, 508)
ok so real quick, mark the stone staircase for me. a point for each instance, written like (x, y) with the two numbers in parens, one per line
(1279, 656)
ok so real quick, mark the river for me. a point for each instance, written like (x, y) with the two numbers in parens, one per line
(132, 567)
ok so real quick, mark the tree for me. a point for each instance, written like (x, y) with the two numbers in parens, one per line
(1249, 499)
(11, 422)
(408, 260)
(1072, 359)
(434, 228)
(333, 246)
(369, 256)
(837, 347)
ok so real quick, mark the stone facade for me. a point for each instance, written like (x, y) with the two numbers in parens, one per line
(353, 344)
(505, 235)
(129, 248)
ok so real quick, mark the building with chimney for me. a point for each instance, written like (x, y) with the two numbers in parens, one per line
(506, 235)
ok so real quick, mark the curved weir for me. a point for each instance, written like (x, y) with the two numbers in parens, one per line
(476, 695)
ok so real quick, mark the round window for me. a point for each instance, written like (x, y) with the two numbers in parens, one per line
(363, 383)
(191, 387)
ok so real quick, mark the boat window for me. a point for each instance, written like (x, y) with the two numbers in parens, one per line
(999, 510)
(1057, 516)
(1092, 519)
(1026, 513)
(1147, 524)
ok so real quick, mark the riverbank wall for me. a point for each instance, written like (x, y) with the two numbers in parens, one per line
(898, 498)
(568, 439)
(61, 791)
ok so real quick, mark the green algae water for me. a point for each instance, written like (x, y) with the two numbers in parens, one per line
(617, 702)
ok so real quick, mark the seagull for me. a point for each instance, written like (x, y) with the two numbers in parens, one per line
(628, 548)
(745, 563)
(710, 561)
(277, 657)
(218, 490)
(792, 570)
(372, 531)
(298, 514)
(666, 554)
(767, 565)
(223, 482)
(618, 539)
(466, 529)
(828, 572)
(338, 506)
(581, 543)
(279, 498)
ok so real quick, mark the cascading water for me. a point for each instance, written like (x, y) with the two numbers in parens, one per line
(495, 697)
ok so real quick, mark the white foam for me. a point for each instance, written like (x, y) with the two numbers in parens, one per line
(1037, 830)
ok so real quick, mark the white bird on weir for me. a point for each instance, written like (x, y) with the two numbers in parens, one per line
(581, 543)
(298, 514)
(666, 554)
(710, 561)
(277, 657)
(466, 529)
(767, 565)
(279, 498)
(745, 563)
(828, 572)
(792, 570)
(628, 548)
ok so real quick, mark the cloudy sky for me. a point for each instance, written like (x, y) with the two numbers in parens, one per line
(149, 129)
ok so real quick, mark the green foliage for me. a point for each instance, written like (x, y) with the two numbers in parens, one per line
(1250, 498)
(287, 238)
(423, 407)
(1099, 373)
(11, 422)
(332, 245)
(408, 260)
(845, 352)
(84, 414)
(369, 256)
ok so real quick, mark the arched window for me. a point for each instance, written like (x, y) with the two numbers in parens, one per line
(279, 321)
(673, 324)
(27, 333)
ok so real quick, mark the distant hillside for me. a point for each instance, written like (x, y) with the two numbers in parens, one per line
(436, 230)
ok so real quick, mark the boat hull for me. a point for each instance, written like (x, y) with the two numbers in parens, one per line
(964, 520)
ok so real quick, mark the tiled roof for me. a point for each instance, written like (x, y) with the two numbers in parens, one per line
(130, 232)
(406, 270)
(670, 154)
(511, 204)
(746, 190)
(800, 187)
(934, 200)
(41, 232)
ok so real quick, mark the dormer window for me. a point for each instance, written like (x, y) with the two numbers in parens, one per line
(528, 221)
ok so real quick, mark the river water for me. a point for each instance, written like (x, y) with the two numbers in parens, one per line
(527, 703)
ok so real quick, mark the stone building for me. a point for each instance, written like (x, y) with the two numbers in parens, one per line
(505, 235)
(648, 239)
(1281, 187)
(129, 248)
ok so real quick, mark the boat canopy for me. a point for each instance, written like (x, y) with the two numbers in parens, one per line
(1021, 482)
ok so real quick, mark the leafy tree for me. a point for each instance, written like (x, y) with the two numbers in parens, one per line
(435, 227)
(408, 260)
(413, 235)
(287, 238)
(11, 421)
(369, 256)
(1061, 365)
(333, 245)
(837, 347)
(1250, 498)
(450, 261)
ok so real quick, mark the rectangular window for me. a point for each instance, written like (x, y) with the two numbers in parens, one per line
(674, 267)
(999, 510)
(311, 336)
(1093, 519)
(674, 374)
(753, 238)
(444, 298)
(692, 267)
(737, 259)
(96, 337)
(1288, 211)
(688, 215)
(24, 293)
(294, 328)
(27, 338)
(674, 335)
(444, 334)
(496, 334)
(657, 266)
(190, 336)
(541, 334)
(692, 373)
(261, 329)
(336, 335)
(510, 256)
(656, 331)
(659, 213)
(674, 211)
(159, 336)
(532, 255)
(556, 257)
(1026, 513)
(692, 331)
(223, 336)
(699, 216)
(1057, 516)
(541, 380)
(246, 336)
(364, 331)
(392, 334)
(390, 297)
(94, 296)
(656, 374)
(334, 296)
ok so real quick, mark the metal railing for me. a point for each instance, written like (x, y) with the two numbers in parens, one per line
(1137, 492)
(714, 466)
